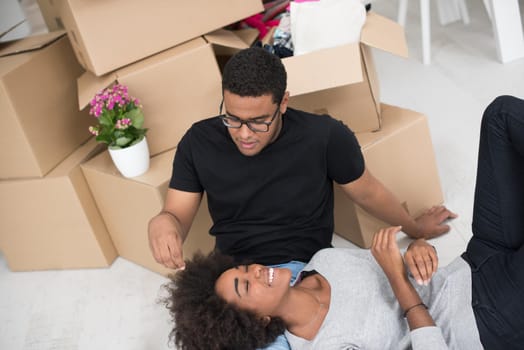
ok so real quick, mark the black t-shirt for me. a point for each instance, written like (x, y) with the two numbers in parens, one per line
(276, 206)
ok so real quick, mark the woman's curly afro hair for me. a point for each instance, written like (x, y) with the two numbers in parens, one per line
(203, 320)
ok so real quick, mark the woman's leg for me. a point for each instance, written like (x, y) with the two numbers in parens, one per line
(496, 251)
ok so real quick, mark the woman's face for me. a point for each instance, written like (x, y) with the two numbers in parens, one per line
(256, 288)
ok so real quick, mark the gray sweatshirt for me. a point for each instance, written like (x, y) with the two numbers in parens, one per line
(364, 313)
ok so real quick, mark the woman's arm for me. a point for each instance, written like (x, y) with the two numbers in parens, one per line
(386, 252)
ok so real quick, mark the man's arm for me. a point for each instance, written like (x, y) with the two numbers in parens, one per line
(168, 230)
(376, 199)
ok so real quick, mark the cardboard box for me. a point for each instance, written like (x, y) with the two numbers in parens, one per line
(50, 12)
(40, 118)
(107, 35)
(176, 87)
(342, 81)
(127, 205)
(401, 156)
(53, 222)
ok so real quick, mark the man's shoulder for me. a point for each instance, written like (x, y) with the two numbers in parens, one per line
(314, 119)
(210, 129)
(205, 124)
(297, 113)
(203, 137)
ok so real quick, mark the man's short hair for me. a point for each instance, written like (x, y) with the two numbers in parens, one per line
(203, 320)
(255, 72)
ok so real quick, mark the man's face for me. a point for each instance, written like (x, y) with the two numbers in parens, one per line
(258, 110)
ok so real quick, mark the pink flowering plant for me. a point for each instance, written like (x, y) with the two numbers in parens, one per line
(120, 117)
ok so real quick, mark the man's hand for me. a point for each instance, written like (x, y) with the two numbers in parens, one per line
(431, 223)
(165, 240)
(385, 250)
(422, 260)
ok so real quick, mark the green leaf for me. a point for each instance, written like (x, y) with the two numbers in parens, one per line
(140, 138)
(105, 119)
(122, 141)
(101, 138)
(105, 136)
(137, 117)
(119, 133)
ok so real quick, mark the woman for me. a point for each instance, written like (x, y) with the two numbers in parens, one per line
(476, 301)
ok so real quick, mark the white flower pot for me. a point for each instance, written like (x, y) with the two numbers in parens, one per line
(131, 161)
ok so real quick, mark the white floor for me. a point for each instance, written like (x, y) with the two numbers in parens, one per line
(116, 308)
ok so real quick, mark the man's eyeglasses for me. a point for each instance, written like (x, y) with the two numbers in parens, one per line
(255, 124)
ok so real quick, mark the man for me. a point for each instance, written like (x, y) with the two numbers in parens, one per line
(268, 172)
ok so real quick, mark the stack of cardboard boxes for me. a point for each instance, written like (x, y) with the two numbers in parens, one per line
(48, 217)
(175, 73)
(55, 214)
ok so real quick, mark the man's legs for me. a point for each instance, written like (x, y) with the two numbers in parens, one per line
(281, 342)
(496, 251)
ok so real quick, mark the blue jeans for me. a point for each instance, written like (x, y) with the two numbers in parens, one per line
(295, 266)
(496, 250)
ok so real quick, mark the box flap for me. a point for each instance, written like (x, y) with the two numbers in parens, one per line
(89, 84)
(323, 69)
(227, 38)
(159, 171)
(31, 43)
(160, 58)
(248, 35)
(398, 120)
(385, 34)
(83, 153)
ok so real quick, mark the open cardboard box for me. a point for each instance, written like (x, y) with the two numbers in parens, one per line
(53, 222)
(107, 35)
(401, 156)
(342, 81)
(40, 119)
(176, 87)
(183, 84)
(127, 205)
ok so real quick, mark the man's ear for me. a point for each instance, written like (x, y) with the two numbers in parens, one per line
(265, 320)
(284, 102)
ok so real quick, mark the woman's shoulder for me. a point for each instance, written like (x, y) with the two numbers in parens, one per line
(329, 257)
(351, 253)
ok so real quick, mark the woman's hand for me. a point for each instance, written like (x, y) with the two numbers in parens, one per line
(422, 260)
(385, 250)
